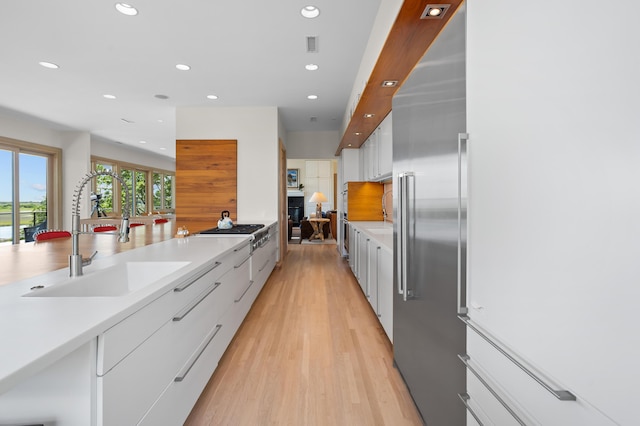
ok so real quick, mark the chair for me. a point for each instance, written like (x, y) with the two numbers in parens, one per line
(160, 220)
(134, 224)
(30, 231)
(104, 228)
(50, 234)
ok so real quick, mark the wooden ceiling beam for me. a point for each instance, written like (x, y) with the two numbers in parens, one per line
(408, 40)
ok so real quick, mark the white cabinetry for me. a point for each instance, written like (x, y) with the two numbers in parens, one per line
(156, 362)
(350, 165)
(353, 248)
(372, 264)
(385, 148)
(363, 260)
(376, 153)
(384, 286)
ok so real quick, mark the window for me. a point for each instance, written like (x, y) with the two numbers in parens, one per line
(102, 197)
(151, 190)
(162, 191)
(28, 201)
(137, 180)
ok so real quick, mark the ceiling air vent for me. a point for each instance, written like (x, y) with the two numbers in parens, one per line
(312, 44)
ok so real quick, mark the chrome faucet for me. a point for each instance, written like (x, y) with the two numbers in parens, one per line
(384, 205)
(76, 262)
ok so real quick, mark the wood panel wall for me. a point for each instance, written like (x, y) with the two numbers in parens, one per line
(364, 201)
(206, 182)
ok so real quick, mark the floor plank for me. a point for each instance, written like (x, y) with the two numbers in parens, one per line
(310, 352)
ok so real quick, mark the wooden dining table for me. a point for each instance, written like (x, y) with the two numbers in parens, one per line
(26, 260)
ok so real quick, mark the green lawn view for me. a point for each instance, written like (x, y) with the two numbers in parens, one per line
(28, 211)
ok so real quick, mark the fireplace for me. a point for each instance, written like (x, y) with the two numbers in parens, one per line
(296, 209)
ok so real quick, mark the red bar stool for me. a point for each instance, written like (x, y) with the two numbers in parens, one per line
(160, 220)
(134, 224)
(50, 234)
(104, 228)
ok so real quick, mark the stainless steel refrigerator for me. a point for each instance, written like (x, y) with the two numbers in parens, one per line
(429, 175)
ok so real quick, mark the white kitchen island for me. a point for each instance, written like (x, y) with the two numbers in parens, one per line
(142, 357)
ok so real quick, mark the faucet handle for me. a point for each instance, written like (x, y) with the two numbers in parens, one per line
(88, 260)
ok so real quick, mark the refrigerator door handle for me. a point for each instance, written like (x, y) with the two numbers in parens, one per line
(404, 199)
(399, 254)
(462, 217)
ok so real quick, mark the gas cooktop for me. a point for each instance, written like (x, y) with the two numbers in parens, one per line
(237, 229)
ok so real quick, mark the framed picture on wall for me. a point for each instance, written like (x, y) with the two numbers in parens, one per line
(292, 178)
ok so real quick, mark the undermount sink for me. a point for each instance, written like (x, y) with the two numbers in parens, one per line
(114, 281)
(381, 231)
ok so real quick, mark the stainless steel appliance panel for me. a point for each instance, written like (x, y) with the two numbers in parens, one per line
(429, 227)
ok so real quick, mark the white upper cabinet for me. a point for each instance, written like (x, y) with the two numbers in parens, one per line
(385, 148)
(376, 153)
(350, 165)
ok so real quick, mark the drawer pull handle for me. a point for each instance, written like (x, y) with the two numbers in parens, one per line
(465, 359)
(192, 307)
(244, 292)
(184, 287)
(464, 397)
(180, 377)
(242, 263)
(264, 266)
(562, 395)
(241, 247)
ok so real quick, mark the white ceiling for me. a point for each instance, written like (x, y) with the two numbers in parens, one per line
(249, 53)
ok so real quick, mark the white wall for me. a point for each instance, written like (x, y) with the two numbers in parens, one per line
(316, 145)
(387, 13)
(256, 129)
(554, 235)
(124, 153)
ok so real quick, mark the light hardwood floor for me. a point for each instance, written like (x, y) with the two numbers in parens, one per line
(310, 352)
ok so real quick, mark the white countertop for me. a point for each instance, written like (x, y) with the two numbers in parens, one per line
(35, 332)
(380, 231)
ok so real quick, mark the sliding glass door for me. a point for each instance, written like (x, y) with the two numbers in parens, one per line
(24, 188)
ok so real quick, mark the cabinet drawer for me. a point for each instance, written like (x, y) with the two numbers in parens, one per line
(195, 320)
(129, 389)
(121, 339)
(538, 405)
(175, 403)
(148, 370)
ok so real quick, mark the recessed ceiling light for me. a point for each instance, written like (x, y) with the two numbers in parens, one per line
(368, 115)
(310, 12)
(126, 9)
(109, 96)
(312, 97)
(162, 148)
(212, 97)
(434, 11)
(127, 121)
(311, 67)
(50, 65)
(183, 67)
(143, 142)
(160, 121)
(390, 83)
(357, 133)
(163, 97)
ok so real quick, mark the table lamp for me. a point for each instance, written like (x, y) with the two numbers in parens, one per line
(318, 198)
